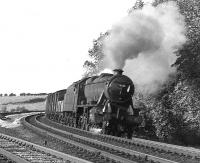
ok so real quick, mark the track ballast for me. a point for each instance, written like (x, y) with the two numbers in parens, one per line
(15, 150)
(132, 150)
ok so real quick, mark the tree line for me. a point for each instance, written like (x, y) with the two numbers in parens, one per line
(23, 94)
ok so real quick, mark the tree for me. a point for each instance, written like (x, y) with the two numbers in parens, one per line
(188, 61)
(183, 99)
(96, 54)
(169, 122)
(12, 94)
(22, 94)
(139, 4)
(175, 108)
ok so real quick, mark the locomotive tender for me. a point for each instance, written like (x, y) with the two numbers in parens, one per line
(99, 102)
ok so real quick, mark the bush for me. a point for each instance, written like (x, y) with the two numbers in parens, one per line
(12, 94)
(176, 114)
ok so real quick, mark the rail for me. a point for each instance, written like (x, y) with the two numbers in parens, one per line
(104, 145)
(55, 154)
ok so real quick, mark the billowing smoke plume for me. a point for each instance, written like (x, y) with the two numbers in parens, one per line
(143, 44)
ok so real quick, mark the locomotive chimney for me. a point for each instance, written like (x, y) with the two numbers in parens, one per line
(118, 71)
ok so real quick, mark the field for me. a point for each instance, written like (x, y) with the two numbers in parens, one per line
(32, 103)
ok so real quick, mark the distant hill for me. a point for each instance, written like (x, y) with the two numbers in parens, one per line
(32, 103)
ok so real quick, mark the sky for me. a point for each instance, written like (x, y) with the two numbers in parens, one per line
(44, 43)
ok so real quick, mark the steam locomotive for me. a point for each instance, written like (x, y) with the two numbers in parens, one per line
(101, 103)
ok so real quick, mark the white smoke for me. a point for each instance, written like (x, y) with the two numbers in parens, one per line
(106, 70)
(143, 44)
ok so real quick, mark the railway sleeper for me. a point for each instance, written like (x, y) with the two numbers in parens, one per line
(158, 148)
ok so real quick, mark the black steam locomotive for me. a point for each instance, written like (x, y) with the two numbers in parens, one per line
(102, 103)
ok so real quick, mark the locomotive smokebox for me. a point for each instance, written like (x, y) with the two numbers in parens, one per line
(118, 71)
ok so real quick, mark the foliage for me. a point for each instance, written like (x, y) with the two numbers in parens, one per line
(188, 61)
(175, 108)
(138, 5)
(172, 114)
(176, 114)
(12, 94)
(166, 121)
(186, 98)
(33, 94)
(96, 54)
(22, 94)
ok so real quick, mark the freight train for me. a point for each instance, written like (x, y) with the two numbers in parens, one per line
(102, 103)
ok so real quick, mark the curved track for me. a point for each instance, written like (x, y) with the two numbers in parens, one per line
(117, 149)
(20, 151)
(6, 157)
(76, 147)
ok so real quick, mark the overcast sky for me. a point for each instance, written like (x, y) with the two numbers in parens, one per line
(44, 43)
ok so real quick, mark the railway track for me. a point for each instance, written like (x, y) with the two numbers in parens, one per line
(14, 150)
(77, 148)
(5, 157)
(117, 149)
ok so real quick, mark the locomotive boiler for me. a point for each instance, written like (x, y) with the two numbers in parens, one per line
(101, 102)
